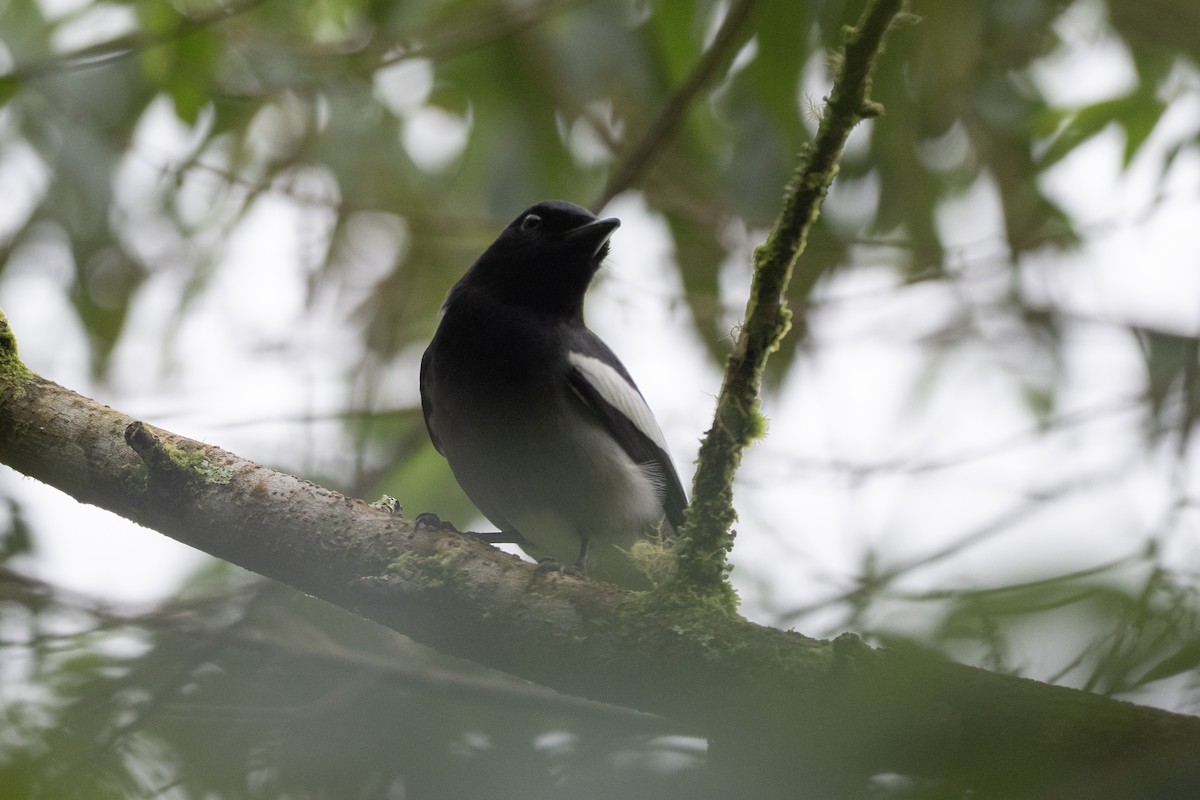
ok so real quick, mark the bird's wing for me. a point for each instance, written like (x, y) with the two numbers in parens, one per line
(604, 385)
(427, 400)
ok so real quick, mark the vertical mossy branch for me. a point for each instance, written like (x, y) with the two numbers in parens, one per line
(708, 533)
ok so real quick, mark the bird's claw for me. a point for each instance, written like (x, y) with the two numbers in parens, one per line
(428, 521)
(548, 565)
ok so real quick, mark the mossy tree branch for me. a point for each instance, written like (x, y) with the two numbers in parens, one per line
(707, 537)
(781, 710)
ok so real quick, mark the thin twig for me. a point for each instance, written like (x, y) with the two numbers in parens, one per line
(127, 45)
(713, 62)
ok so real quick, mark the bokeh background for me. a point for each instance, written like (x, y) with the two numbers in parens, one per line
(237, 221)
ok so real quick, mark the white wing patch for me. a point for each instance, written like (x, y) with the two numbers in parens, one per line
(617, 392)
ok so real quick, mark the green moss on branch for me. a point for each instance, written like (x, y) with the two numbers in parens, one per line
(13, 372)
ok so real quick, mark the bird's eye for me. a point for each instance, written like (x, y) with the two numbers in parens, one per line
(531, 222)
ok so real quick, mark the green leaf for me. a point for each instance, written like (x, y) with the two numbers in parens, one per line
(1172, 364)
(181, 58)
(699, 254)
(9, 86)
(776, 69)
(1136, 112)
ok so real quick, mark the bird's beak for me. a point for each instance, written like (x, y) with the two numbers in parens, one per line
(594, 235)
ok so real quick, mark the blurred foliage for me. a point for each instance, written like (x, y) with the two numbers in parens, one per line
(335, 105)
(240, 687)
(544, 99)
(1130, 626)
(135, 137)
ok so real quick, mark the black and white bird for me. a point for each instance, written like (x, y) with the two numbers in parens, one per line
(540, 422)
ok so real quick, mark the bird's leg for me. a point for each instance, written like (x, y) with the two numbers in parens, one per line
(585, 544)
(578, 569)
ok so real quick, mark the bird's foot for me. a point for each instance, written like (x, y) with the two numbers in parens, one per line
(548, 565)
(428, 521)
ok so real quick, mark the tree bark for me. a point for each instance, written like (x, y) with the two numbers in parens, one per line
(780, 708)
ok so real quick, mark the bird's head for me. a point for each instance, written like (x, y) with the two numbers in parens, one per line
(545, 259)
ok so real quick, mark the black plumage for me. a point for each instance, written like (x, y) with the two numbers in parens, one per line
(540, 422)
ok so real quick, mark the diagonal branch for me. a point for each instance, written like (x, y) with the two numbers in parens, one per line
(776, 705)
(714, 61)
(126, 45)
